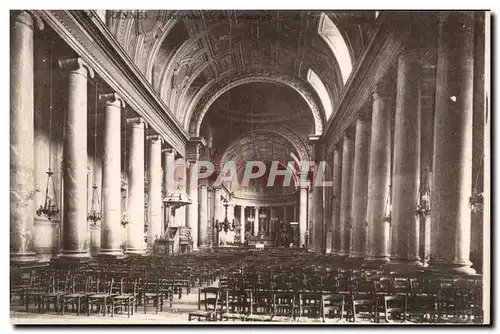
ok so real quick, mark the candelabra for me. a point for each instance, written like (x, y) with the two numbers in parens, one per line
(224, 225)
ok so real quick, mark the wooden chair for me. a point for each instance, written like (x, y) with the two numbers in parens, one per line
(364, 309)
(236, 305)
(395, 308)
(58, 288)
(332, 307)
(210, 304)
(261, 308)
(284, 306)
(101, 295)
(151, 295)
(310, 305)
(77, 297)
(127, 297)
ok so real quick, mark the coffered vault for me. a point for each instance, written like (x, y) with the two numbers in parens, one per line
(192, 57)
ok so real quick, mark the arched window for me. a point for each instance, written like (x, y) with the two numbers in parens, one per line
(320, 89)
(331, 34)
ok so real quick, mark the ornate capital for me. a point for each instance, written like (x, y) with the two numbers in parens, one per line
(77, 65)
(112, 99)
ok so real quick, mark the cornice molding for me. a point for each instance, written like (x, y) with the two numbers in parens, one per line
(89, 37)
(387, 40)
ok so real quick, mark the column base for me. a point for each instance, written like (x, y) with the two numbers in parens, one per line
(72, 257)
(23, 258)
(375, 261)
(403, 266)
(135, 251)
(114, 253)
(453, 268)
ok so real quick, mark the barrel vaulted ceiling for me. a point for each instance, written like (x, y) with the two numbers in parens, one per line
(226, 74)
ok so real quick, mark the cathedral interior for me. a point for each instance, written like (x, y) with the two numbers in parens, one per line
(113, 112)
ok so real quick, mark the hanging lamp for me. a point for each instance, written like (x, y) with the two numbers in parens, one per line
(125, 220)
(94, 215)
(476, 200)
(49, 208)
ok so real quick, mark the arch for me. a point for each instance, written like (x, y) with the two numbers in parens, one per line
(164, 31)
(218, 87)
(331, 34)
(295, 141)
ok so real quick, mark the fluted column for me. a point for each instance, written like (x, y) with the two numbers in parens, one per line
(452, 180)
(337, 193)
(360, 186)
(406, 174)
(135, 237)
(154, 189)
(22, 182)
(379, 178)
(302, 215)
(75, 243)
(203, 230)
(111, 177)
(346, 195)
(242, 225)
(256, 222)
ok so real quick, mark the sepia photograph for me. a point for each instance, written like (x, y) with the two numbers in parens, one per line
(250, 167)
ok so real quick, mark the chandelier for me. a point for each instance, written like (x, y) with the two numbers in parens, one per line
(224, 225)
(49, 208)
(94, 214)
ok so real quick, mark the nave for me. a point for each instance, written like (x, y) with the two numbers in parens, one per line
(260, 286)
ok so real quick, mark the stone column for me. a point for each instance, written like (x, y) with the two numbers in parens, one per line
(360, 186)
(111, 176)
(168, 183)
(346, 195)
(22, 182)
(154, 190)
(203, 224)
(337, 193)
(135, 236)
(452, 175)
(242, 225)
(302, 216)
(75, 243)
(192, 210)
(257, 224)
(379, 178)
(406, 174)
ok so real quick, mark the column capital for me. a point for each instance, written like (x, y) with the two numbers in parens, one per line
(77, 65)
(243, 206)
(154, 138)
(112, 99)
(28, 18)
(168, 150)
(137, 122)
(203, 186)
